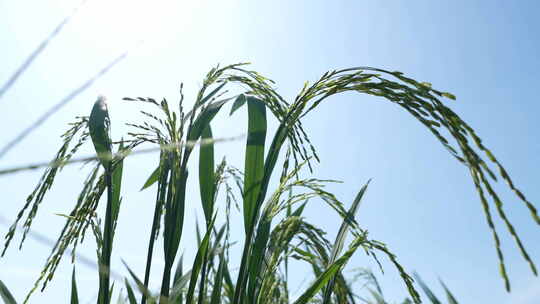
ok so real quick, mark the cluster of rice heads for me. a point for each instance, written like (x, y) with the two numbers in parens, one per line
(275, 230)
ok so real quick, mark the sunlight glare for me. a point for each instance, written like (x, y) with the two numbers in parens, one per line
(118, 24)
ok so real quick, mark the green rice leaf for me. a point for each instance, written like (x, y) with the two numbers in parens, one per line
(152, 179)
(257, 255)
(340, 238)
(174, 218)
(179, 281)
(218, 279)
(238, 103)
(99, 125)
(179, 270)
(269, 165)
(6, 295)
(203, 119)
(198, 263)
(228, 286)
(254, 159)
(135, 278)
(111, 290)
(299, 210)
(131, 294)
(163, 169)
(449, 296)
(211, 94)
(330, 271)
(177, 290)
(74, 293)
(117, 184)
(206, 174)
(431, 296)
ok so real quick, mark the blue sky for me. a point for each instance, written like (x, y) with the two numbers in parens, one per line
(421, 202)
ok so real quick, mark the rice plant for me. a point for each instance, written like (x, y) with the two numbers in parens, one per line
(376, 296)
(276, 232)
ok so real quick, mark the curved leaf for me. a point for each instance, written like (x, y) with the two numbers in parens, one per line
(206, 174)
(238, 103)
(100, 127)
(6, 295)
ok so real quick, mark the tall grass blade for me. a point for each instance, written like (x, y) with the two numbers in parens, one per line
(269, 165)
(211, 94)
(6, 295)
(449, 296)
(178, 275)
(238, 103)
(198, 263)
(74, 293)
(254, 161)
(340, 239)
(330, 271)
(379, 299)
(152, 179)
(204, 119)
(178, 289)
(163, 172)
(228, 286)
(218, 282)
(299, 210)
(140, 285)
(116, 184)
(111, 290)
(174, 219)
(260, 246)
(206, 174)
(99, 125)
(431, 296)
(131, 294)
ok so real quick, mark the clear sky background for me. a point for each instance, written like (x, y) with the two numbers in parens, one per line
(421, 202)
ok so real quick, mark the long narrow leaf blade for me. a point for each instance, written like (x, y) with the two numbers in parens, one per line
(177, 290)
(203, 119)
(450, 297)
(131, 294)
(238, 103)
(431, 296)
(74, 293)
(198, 263)
(216, 289)
(206, 173)
(152, 179)
(135, 278)
(211, 94)
(340, 239)
(6, 295)
(117, 186)
(330, 271)
(254, 162)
